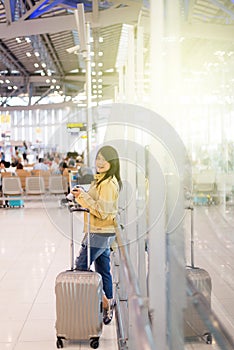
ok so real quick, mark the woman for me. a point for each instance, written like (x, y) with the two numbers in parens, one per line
(102, 201)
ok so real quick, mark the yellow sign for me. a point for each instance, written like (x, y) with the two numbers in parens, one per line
(75, 125)
(5, 118)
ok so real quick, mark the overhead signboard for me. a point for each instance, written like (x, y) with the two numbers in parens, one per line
(77, 126)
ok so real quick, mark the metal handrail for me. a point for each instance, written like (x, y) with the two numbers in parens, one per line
(143, 334)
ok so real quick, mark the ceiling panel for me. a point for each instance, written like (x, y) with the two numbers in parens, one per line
(206, 27)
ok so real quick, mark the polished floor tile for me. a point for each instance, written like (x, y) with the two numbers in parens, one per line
(35, 247)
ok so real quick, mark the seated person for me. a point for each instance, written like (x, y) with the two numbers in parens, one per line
(41, 165)
(85, 173)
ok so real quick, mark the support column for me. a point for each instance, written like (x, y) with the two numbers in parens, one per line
(172, 60)
(140, 64)
(88, 94)
(156, 54)
(130, 68)
(121, 84)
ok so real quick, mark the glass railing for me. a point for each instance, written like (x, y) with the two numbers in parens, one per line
(132, 314)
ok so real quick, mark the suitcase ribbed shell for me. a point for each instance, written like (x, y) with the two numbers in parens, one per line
(78, 305)
(193, 324)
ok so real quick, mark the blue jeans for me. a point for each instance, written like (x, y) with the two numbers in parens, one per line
(100, 255)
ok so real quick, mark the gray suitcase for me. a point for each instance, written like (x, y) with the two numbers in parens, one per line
(78, 301)
(194, 326)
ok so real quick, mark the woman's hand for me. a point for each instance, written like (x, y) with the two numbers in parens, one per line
(76, 191)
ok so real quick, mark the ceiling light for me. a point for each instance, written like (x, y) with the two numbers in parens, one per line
(7, 81)
(28, 40)
(9, 87)
(99, 86)
(1, 81)
(81, 97)
(18, 40)
(100, 80)
(83, 71)
(53, 81)
(43, 65)
(15, 87)
(100, 53)
(99, 73)
(42, 73)
(94, 80)
(94, 86)
(100, 39)
(93, 73)
(52, 87)
(36, 65)
(57, 87)
(28, 54)
(74, 71)
(111, 70)
(47, 81)
(73, 49)
(100, 64)
(93, 64)
(36, 54)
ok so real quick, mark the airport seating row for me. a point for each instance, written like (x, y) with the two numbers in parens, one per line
(33, 185)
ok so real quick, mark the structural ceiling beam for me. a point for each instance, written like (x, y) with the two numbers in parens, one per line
(107, 80)
(8, 9)
(10, 60)
(64, 23)
(67, 22)
(41, 106)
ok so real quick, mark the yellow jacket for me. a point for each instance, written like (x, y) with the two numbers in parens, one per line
(102, 201)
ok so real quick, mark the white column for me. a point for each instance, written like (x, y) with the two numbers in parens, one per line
(156, 53)
(130, 68)
(172, 60)
(140, 64)
(88, 94)
(121, 84)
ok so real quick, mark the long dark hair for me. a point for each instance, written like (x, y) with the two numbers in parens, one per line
(111, 156)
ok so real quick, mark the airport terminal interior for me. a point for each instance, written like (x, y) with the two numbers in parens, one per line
(154, 79)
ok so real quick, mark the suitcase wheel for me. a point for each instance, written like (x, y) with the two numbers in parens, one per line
(59, 343)
(94, 343)
(208, 338)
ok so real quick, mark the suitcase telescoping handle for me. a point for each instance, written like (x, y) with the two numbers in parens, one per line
(191, 209)
(86, 210)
